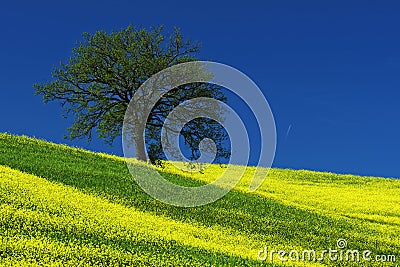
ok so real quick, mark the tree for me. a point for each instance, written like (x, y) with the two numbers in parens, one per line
(104, 73)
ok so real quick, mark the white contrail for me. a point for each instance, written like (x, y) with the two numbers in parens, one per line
(288, 130)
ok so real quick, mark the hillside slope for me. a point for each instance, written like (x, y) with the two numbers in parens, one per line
(66, 206)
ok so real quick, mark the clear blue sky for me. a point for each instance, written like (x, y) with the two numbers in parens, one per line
(330, 69)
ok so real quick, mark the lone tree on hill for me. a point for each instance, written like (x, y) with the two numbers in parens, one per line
(105, 71)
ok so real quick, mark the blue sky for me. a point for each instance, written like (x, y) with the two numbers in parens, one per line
(329, 69)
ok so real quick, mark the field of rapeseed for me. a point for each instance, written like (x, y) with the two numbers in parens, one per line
(63, 206)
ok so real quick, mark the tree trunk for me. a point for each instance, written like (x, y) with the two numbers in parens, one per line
(140, 149)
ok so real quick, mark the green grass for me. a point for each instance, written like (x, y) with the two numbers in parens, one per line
(66, 206)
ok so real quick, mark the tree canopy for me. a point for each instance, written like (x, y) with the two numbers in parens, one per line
(106, 70)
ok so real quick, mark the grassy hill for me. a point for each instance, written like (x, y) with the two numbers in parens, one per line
(63, 206)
